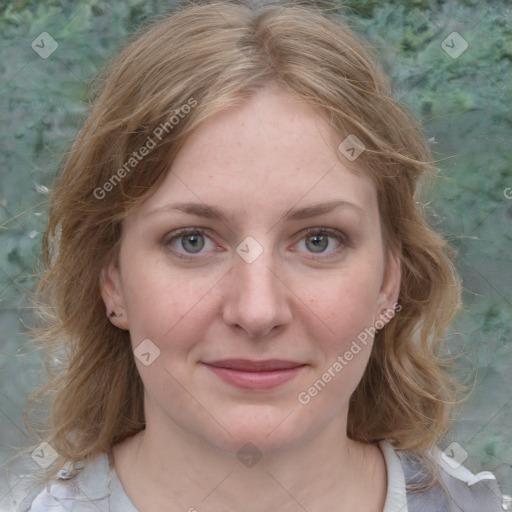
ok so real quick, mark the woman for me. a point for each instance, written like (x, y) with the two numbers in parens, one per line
(243, 297)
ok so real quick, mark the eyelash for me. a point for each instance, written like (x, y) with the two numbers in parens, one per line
(309, 232)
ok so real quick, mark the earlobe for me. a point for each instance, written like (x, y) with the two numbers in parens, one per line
(112, 294)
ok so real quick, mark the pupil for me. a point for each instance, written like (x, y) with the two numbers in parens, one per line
(195, 243)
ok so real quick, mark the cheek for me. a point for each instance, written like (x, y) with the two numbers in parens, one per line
(346, 304)
(162, 303)
(343, 341)
(342, 326)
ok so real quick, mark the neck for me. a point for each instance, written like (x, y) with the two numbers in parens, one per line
(177, 469)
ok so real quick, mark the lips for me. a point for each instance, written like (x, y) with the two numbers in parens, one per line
(246, 365)
(254, 375)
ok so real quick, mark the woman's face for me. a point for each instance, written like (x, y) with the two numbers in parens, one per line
(252, 271)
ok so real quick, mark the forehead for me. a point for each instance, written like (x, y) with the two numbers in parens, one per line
(265, 155)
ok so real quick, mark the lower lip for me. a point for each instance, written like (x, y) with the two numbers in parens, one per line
(255, 380)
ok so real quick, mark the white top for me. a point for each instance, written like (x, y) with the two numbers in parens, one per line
(96, 488)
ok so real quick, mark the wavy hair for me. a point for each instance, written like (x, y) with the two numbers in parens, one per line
(218, 54)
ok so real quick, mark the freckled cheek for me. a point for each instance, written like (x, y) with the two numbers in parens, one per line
(353, 291)
(157, 303)
(346, 309)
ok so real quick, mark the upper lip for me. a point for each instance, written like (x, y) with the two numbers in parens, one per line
(248, 365)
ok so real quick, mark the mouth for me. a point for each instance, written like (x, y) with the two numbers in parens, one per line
(248, 374)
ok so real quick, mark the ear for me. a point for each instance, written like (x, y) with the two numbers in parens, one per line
(390, 289)
(112, 294)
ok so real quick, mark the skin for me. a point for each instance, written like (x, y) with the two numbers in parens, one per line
(271, 154)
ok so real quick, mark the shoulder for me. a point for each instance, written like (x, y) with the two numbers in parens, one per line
(86, 489)
(458, 490)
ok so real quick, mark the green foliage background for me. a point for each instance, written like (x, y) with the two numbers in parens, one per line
(464, 105)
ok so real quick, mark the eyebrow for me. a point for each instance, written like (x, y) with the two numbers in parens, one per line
(211, 212)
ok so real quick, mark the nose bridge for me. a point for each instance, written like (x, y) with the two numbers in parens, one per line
(256, 277)
(256, 301)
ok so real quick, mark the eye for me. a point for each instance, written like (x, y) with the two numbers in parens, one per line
(188, 241)
(323, 241)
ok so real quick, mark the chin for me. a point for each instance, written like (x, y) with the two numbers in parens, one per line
(269, 429)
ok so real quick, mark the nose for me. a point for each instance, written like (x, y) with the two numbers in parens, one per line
(256, 299)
